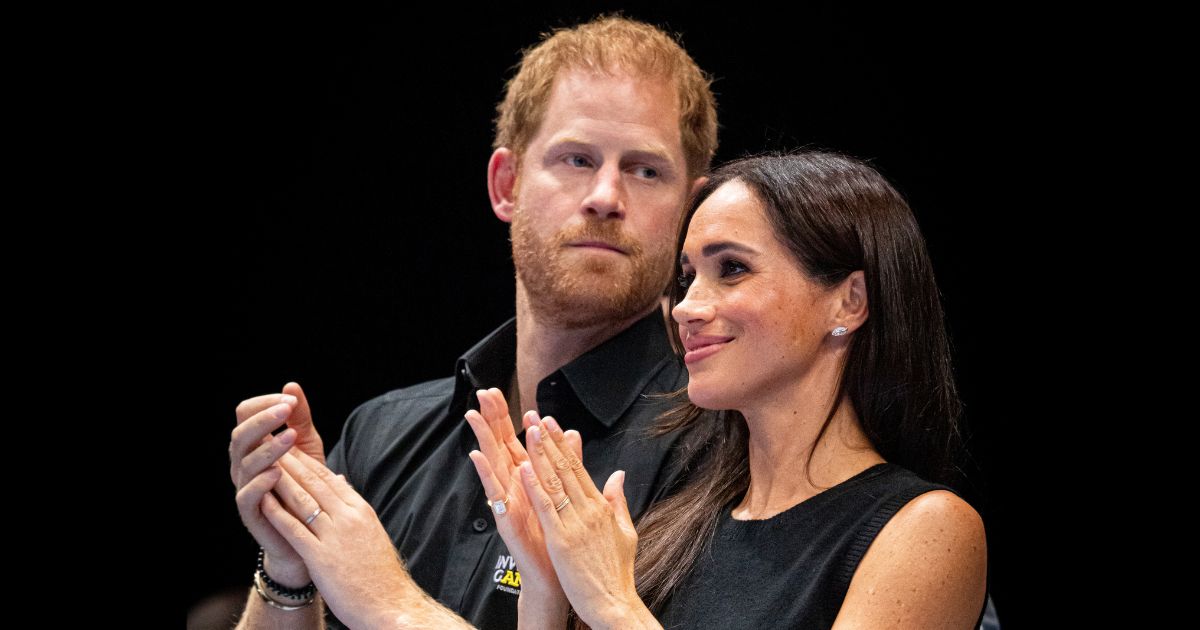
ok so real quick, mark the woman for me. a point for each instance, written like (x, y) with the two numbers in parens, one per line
(808, 316)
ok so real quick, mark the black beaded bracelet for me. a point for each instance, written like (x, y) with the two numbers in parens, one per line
(304, 592)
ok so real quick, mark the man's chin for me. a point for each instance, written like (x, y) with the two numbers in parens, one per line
(589, 304)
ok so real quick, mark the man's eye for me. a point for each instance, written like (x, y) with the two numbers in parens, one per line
(685, 279)
(578, 160)
(647, 172)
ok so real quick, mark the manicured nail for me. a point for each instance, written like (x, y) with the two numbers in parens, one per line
(535, 432)
(288, 399)
(552, 425)
(279, 412)
(287, 437)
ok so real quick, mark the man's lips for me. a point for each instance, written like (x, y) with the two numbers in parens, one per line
(598, 245)
(702, 346)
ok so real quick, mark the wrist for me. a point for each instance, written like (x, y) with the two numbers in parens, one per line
(285, 592)
(542, 603)
(627, 612)
(540, 610)
(293, 575)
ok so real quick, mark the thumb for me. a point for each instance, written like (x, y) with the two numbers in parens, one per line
(301, 418)
(307, 438)
(614, 491)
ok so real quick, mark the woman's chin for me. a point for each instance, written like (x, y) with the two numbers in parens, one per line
(707, 397)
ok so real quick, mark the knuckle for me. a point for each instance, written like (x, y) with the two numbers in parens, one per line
(554, 483)
(245, 498)
(307, 478)
(324, 473)
(246, 465)
(562, 464)
(244, 410)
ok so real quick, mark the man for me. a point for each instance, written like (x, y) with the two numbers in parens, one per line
(602, 134)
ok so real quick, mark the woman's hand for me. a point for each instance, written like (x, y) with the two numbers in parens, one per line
(589, 535)
(498, 465)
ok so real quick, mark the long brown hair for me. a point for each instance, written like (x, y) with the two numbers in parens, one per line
(836, 215)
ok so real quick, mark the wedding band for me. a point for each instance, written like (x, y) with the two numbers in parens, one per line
(560, 506)
(499, 507)
(312, 517)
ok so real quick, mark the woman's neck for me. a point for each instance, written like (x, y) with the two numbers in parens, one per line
(783, 433)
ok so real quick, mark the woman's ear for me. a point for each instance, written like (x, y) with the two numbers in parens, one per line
(852, 308)
(502, 183)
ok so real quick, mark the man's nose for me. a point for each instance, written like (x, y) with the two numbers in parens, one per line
(605, 200)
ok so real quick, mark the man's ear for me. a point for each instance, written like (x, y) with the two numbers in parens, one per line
(502, 183)
(697, 184)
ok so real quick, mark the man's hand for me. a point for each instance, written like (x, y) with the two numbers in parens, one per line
(352, 559)
(253, 468)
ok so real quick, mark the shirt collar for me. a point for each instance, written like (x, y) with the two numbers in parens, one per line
(609, 378)
(606, 379)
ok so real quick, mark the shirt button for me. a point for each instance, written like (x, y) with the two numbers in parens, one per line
(479, 525)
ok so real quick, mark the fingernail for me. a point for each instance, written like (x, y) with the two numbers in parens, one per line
(287, 437)
(552, 425)
(279, 412)
(527, 469)
(535, 432)
(288, 399)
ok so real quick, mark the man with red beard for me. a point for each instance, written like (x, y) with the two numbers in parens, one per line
(601, 136)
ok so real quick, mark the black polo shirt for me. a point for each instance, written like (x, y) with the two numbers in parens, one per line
(406, 453)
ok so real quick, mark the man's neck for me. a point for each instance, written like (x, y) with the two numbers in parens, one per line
(544, 347)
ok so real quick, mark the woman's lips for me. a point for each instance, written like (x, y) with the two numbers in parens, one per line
(701, 347)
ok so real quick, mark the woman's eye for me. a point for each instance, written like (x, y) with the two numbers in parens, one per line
(732, 268)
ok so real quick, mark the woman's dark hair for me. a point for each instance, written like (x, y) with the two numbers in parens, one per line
(836, 215)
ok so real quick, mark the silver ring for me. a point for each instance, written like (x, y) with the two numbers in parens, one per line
(312, 517)
(565, 502)
(499, 507)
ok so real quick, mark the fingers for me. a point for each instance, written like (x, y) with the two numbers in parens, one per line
(575, 478)
(251, 432)
(263, 457)
(497, 455)
(575, 442)
(492, 488)
(293, 530)
(494, 409)
(306, 496)
(248, 499)
(252, 406)
(337, 483)
(551, 482)
(542, 504)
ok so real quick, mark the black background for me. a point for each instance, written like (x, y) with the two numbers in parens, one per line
(347, 242)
